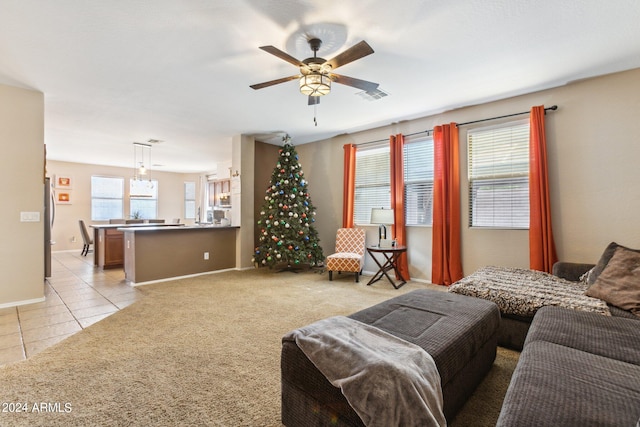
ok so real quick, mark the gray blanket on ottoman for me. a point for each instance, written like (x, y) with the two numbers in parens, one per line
(386, 380)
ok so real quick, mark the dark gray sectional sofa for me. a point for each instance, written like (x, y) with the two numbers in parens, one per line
(576, 369)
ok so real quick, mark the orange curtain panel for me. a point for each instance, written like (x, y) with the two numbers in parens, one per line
(349, 185)
(542, 250)
(397, 199)
(446, 254)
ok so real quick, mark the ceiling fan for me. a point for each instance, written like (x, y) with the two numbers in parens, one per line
(316, 74)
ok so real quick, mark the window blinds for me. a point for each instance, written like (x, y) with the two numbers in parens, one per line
(418, 181)
(373, 184)
(498, 168)
(106, 198)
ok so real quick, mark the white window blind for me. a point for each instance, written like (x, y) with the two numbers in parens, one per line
(373, 185)
(190, 200)
(498, 166)
(106, 198)
(143, 200)
(418, 181)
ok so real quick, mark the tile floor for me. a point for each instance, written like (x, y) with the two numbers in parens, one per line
(77, 295)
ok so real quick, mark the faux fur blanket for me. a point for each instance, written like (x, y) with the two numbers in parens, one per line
(386, 380)
(522, 292)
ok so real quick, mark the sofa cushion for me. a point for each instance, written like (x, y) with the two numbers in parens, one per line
(613, 337)
(554, 385)
(619, 282)
(604, 260)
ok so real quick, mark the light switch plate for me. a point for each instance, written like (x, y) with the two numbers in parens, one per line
(29, 216)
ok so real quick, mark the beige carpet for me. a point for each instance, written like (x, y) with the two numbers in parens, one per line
(202, 351)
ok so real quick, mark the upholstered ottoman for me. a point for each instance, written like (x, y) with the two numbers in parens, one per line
(458, 331)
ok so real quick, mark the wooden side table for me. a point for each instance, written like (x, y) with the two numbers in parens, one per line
(390, 262)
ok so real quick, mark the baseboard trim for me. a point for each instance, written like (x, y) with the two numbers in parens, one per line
(23, 302)
(425, 281)
(168, 279)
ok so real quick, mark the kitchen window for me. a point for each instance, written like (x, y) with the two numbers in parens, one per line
(143, 199)
(190, 200)
(107, 195)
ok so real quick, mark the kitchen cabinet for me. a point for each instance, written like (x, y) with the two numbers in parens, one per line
(112, 243)
(221, 191)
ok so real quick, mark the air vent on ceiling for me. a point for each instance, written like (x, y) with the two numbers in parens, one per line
(372, 95)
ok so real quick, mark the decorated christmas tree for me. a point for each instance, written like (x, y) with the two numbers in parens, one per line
(287, 235)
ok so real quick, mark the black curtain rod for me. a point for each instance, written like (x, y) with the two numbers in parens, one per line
(552, 108)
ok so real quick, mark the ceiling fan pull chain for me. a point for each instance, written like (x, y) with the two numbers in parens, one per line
(315, 114)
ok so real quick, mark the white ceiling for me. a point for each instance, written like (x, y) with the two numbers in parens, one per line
(115, 72)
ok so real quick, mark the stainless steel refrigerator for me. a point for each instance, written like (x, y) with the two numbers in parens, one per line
(49, 218)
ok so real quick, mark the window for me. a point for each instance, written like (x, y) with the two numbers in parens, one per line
(106, 198)
(190, 200)
(498, 166)
(143, 198)
(373, 184)
(418, 181)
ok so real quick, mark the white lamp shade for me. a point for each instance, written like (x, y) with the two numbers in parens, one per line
(381, 216)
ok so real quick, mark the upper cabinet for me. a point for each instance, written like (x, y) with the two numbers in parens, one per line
(220, 193)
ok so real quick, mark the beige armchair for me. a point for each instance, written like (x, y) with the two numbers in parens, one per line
(349, 255)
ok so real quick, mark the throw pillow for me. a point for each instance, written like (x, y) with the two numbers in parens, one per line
(619, 282)
(604, 260)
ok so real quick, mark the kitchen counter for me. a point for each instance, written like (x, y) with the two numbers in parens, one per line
(154, 254)
(108, 239)
(153, 227)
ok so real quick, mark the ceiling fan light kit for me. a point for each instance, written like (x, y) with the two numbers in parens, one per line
(315, 84)
(316, 74)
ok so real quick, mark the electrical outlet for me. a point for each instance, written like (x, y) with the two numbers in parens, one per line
(73, 239)
(206, 255)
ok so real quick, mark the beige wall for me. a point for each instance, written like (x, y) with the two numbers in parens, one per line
(66, 228)
(593, 159)
(593, 151)
(242, 197)
(22, 190)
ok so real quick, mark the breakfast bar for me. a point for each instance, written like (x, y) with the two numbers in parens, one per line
(161, 253)
(108, 251)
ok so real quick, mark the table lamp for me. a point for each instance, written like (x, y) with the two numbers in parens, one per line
(383, 217)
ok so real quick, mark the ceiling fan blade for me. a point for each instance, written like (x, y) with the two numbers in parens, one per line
(314, 100)
(350, 81)
(282, 55)
(274, 82)
(357, 51)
